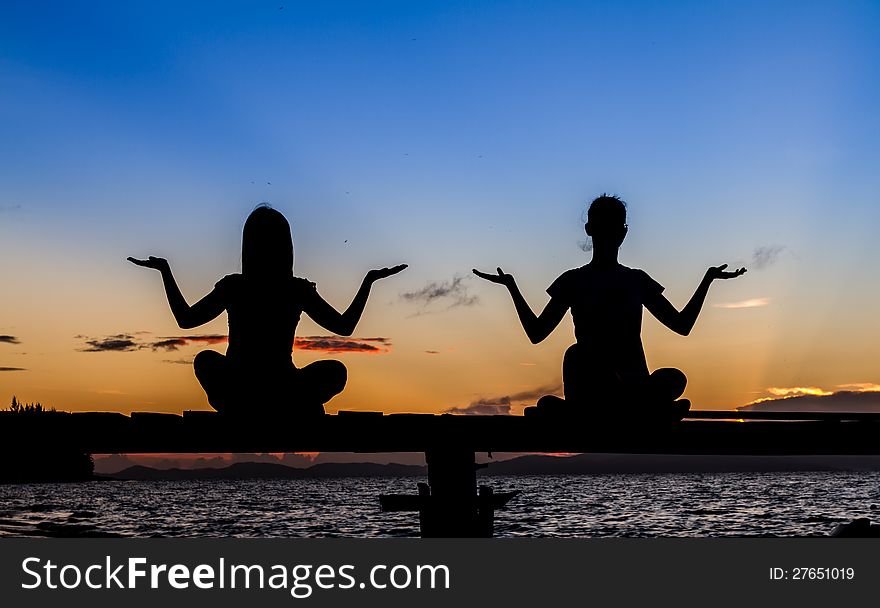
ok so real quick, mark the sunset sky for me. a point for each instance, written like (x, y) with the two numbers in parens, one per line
(446, 136)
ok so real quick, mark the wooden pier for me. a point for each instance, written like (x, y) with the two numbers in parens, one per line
(450, 504)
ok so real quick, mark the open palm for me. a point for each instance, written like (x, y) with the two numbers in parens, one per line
(719, 272)
(151, 262)
(384, 273)
(502, 278)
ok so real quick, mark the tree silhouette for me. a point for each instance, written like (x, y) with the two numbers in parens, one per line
(49, 461)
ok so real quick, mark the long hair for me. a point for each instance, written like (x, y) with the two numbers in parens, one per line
(266, 245)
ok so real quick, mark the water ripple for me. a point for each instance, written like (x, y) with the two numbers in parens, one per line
(728, 504)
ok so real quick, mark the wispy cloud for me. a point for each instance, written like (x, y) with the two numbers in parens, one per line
(182, 361)
(9, 339)
(9, 208)
(12, 369)
(117, 343)
(862, 387)
(766, 256)
(795, 391)
(484, 407)
(860, 397)
(504, 404)
(335, 344)
(752, 303)
(170, 343)
(133, 341)
(453, 292)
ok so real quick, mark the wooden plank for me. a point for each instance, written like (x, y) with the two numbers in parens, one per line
(159, 418)
(211, 432)
(359, 414)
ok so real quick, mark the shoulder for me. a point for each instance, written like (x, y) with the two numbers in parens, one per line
(632, 272)
(642, 278)
(303, 283)
(567, 280)
(303, 286)
(575, 273)
(229, 281)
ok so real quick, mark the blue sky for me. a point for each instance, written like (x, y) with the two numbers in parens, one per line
(450, 135)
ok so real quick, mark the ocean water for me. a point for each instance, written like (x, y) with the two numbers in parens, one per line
(726, 504)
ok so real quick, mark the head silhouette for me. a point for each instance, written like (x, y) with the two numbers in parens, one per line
(266, 245)
(606, 221)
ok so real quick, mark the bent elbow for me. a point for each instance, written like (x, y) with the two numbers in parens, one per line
(186, 323)
(345, 330)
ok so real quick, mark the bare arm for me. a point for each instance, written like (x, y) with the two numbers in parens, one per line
(344, 323)
(683, 322)
(187, 317)
(537, 327)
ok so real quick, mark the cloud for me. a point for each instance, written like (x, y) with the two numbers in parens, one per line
(9, 208)
(861, 397)
(178, 361)
(170, 343)
(764, 257)
(9, 340)
(796, 391)
(117, 343)
(454, 292)
(335, 344)
(862, 387)
(131, 342)
(753, 303)
(502, 405)
(12, 369)
(484, 407)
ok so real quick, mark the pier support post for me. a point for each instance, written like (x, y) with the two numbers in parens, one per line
(451, 506)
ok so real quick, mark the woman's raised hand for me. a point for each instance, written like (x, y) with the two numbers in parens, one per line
(383, 273)
(718, 272)
(502, 278)
(153, 262)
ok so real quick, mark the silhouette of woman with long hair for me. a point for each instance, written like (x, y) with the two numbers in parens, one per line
(264, 304)
(607, 363)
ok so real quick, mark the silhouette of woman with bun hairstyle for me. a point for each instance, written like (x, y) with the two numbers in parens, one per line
(264, 304)
(607, 364)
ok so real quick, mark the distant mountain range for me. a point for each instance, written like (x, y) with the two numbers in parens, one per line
(581, 464)
(268, 470)
(586, 464)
